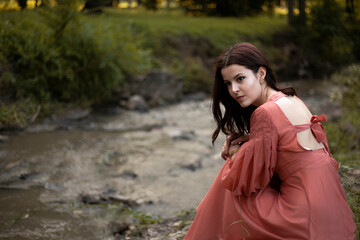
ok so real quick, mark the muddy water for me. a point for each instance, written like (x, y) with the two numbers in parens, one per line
(162, 159)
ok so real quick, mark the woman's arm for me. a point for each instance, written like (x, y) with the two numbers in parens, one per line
(232, 144)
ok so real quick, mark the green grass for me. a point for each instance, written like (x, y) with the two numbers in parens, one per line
(187, 46)
(350, 177)
(346, 151)
(219, 31)
(179, 44)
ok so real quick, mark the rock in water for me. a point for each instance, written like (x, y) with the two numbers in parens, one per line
(97, 198)
(118, 228)
(4, 138)
(138, 103)
(157, 87)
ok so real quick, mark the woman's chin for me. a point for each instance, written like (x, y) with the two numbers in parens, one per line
(244, 104)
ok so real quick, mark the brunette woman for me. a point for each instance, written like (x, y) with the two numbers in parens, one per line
(282, 182)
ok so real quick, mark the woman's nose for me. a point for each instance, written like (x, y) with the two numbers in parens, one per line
(235, 87)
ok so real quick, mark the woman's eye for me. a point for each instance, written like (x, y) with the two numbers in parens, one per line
(227, 83)
(240, 78)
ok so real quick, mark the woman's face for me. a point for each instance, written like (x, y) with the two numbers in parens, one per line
(243, 85)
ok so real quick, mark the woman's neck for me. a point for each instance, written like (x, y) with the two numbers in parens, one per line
(266, 95)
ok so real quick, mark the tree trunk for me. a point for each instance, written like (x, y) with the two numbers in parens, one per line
(6, 4)
(350, 9)
(302, 14)
(22, 4)
(45, 3)
(290, 13)
(115, 3)
(96, 4)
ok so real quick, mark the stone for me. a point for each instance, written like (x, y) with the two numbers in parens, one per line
(193, 166)
(28, 176)
(118, 228)
(77, 114)
(4, 138)
(157, 87)
(97, 198)
(120, 199)
(199, 96)
(90, 198)
(24, 176)
(128, 174)
(14, 164)
(178, 134)
(138, 103)
(41, 128)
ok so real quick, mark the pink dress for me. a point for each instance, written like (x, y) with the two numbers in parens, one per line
(310, 204)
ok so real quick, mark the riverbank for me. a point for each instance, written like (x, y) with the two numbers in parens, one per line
(149, 159)
(111, 49)
(120, 174)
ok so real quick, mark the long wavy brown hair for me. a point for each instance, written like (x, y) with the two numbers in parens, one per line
(236, 120)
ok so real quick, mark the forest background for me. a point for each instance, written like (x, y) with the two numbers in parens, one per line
(82, 53)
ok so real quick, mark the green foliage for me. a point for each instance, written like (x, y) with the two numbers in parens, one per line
(325, 40)
(236, 8)
(56, 55)
(349, 182)
(143, 218)
(354, 33)
(188, 45)
(143, 221)
(17, 115)
(7, 78)
(348, 88)
(347, 93)
(220, 32)
(151, 4)
(344, 135)
(186, 217)
(194, 75)
(329, 33)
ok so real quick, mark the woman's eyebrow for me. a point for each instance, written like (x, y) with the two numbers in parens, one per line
(238, 75)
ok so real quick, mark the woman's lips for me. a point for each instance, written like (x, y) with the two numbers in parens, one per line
(239, 97)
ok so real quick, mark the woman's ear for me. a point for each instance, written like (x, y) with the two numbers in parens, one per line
(261, 73)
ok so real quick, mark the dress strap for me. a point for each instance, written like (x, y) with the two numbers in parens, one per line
(316, 128)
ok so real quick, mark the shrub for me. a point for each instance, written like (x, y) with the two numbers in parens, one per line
(344, 136)
(325, 41)
(68, 59)
(348, 88)
(194, 75)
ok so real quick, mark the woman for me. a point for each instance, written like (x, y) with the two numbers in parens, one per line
(282, 182)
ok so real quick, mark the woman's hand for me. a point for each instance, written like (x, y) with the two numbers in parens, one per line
(233, 140)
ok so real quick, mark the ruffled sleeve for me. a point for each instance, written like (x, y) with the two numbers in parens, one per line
(252, 166)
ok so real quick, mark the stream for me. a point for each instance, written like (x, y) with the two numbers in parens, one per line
(162, 161)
